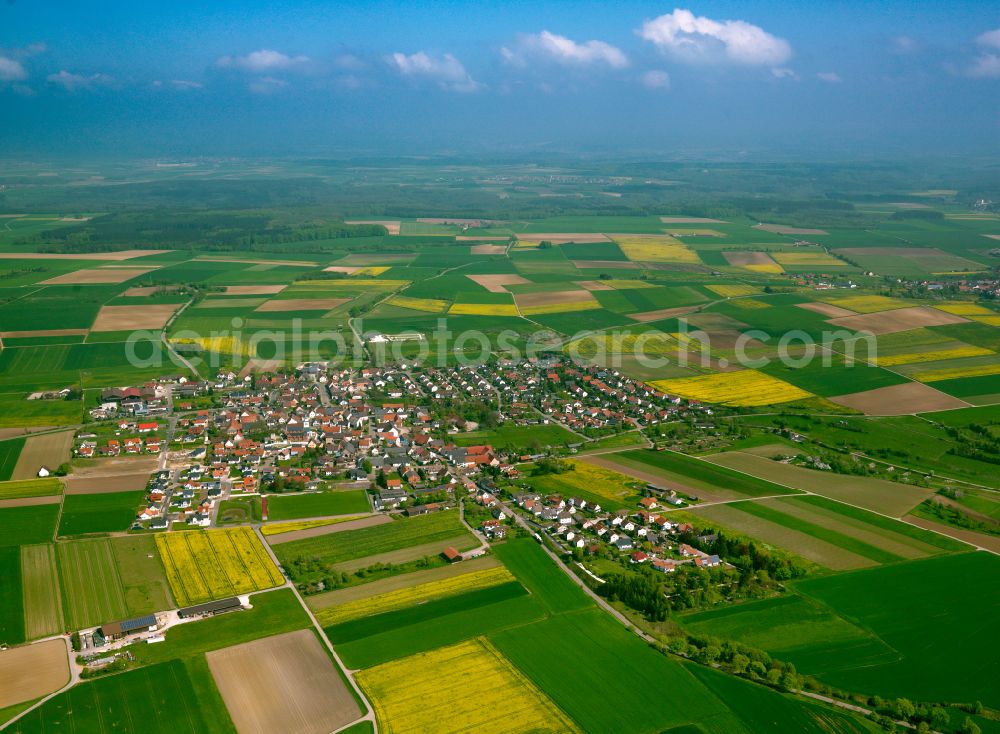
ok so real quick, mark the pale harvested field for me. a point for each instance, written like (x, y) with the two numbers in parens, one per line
(496, 283)
(989, 542)
(404, 555)
(690, 220)
(127, 318)
(300, 304)
(253, 290)
(456, 220)
(261, 365)
(53, 499)
(94, 276)
(6, 433)
(529, 300)
(909, 397)
(485, 249)
(402, 581)
(782, 229)
(345, 269)
(391, 225)
(285, 683)
(49, 450)
(803, 544)
(43, 612)
(742, 258)
(43, 332)
(594, 285)
(110, 256)
(111, 475)
(607, 265)
(877, 495)
(290, 263)
(32, 671)
(364, 522)
(827, 309)
(560, 238)
(899, 319)
(663, 313)
(141, 291)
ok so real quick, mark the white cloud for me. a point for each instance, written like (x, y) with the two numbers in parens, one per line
(182, 85)
(265, 60)
(990, 38)
(446, 71)
(781, 72)
(829, 76)
(905, 44)
(349, 61)
(11, 70)
(267, 85)
(562, 50)
(656, 79)
(985, 66)
(72, 82)
(697, 39)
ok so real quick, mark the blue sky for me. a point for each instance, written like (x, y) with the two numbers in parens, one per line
(311, 77)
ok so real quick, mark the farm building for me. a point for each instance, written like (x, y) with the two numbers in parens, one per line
(211, 608)
(115, 630)
(451, 555)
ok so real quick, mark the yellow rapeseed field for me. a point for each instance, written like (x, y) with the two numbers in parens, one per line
(483, 309)
(965, 309)
(587, 305)
(653, 342)
(219, 344)
(990, 320)
(372, 270)
(953, 373)
(413, 595)
(743, 388)
(213, 564)
(431, 305)
(466, 687)
(933, 356)
(277, 528)
(867, 304)
(818, 259)
(728, 291)
(772, 268)
(749, 303)
(656, 249)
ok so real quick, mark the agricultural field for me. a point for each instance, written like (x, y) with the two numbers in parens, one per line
(32, 671)
(214, 564)
(11, 601)
(415, 594)
(746, 388)
(689, 475)
(596, 484)
(91, 584)
(10, 450)
(429, 691)
(517, 437)
(43, 609)
(295, 526)
(877, 495)
(85, 514)
(283, 683)
(439, 529)
(159, 699)
(25, 525)
(49, 451)
(13, 490)
(338, 502)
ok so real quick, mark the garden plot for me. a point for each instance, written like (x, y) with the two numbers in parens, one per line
(285, 683)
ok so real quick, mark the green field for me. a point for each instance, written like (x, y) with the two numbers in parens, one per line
(160, 699)
(98, 513)
(11, 602)
(698, 474)
(519, 437)
(141, 573)
(15, 411)
(92, 586)
(43, 609)
(352, 544)
(540, 575)
(30, 488)
(341, 502)
(25, 525)
(9, 451)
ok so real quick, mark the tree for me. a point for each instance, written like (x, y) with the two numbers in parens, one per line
(970, 727)
(904, 709)
(939, 718)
